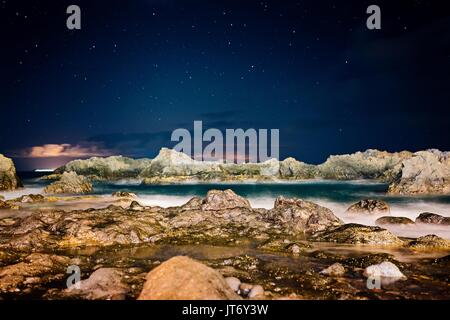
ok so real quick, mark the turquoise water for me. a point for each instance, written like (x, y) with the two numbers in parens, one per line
(334, 191)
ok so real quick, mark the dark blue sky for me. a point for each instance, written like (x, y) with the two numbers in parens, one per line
(140, 69)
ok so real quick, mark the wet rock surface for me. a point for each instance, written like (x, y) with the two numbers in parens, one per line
(203, 221)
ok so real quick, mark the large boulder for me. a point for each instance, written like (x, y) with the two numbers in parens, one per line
(369, 206)
(426, 172)
(8, 176)
(223, 200)
(182, 278)
(70, 183)
(302, 216)
(432, 218)
(358, 234)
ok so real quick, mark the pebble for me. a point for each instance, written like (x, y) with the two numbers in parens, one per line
(335, 270)
(233, 283)
(256, 290)
(245, 288)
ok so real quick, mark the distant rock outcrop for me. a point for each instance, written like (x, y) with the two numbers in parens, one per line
(109, 168)
(8, 176)
(371, 164)
(426, 172)
(70, 182)
(423, 172)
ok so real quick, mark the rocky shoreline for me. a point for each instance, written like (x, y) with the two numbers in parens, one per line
(296, 250)
(407, 173)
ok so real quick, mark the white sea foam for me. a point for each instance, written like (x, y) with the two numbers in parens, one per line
(409, 210)
(21, 192)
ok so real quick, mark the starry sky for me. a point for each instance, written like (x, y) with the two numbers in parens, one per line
(139, 69)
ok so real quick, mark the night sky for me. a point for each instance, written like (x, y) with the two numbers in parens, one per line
(139, 69)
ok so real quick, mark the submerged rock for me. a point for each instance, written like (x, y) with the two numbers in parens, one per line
(393, 220)
(426, 172)
(8, 176)
(103, 284)
(430, 241)
(124, 194)
(358, 234)
(369, 206)
(69, 183)
(182, 278)
(432, 218)
(284, 245)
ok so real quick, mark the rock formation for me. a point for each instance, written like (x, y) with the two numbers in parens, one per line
(426, 172)
(222, 217)
(108, 168)
(70, 183)
(8, 176)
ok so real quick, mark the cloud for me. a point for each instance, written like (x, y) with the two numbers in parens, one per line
(64, 150)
